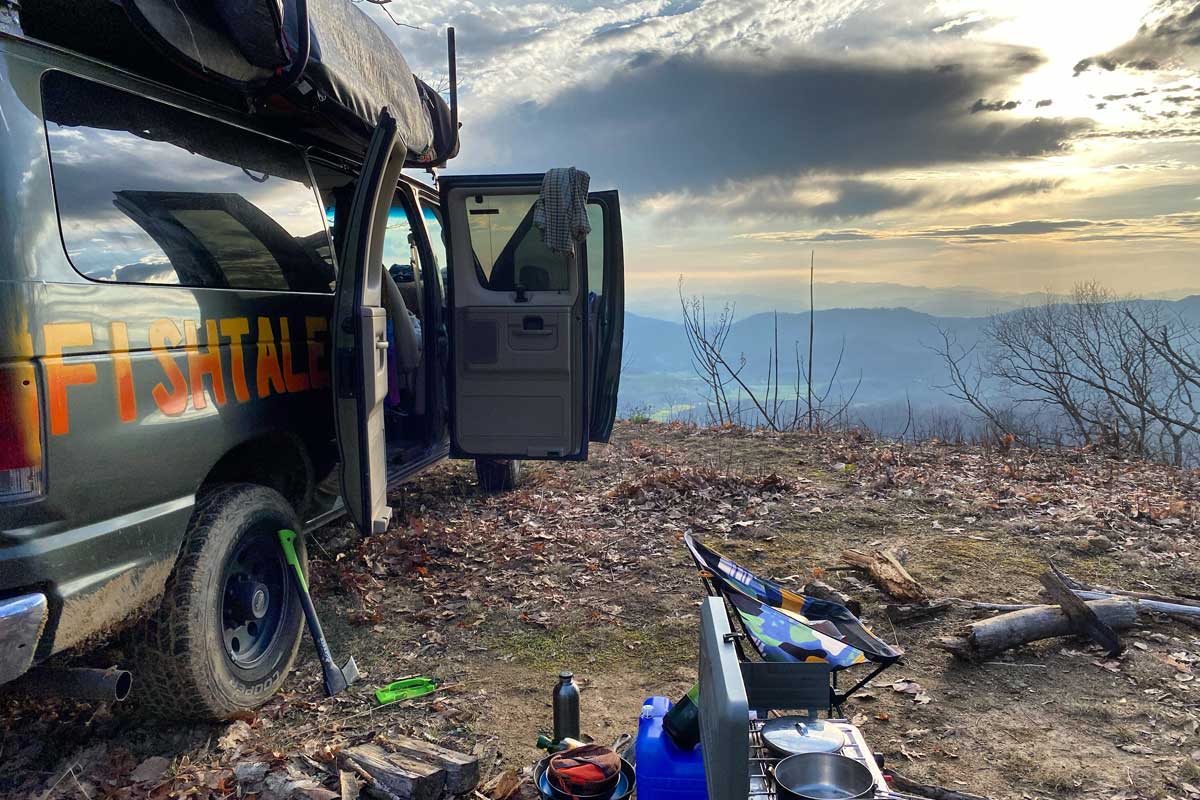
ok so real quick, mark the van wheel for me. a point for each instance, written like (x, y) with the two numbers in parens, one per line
(226, 633)
(498, 476)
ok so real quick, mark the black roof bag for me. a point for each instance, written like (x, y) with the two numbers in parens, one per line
(330, 84)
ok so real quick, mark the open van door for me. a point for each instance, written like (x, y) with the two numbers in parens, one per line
(535, 336)
(360, 342)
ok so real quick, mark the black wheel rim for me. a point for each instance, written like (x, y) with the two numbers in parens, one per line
(256, 598)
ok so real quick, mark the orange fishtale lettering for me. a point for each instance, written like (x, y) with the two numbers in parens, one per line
(59, 374)
(165, 334)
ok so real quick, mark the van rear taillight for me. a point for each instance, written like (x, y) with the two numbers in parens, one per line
(22, 466)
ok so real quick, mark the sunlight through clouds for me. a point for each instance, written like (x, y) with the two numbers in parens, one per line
(741, 133)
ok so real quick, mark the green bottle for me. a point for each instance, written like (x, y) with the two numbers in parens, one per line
(682, 722)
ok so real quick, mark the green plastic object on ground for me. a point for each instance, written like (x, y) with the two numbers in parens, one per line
(405, 689)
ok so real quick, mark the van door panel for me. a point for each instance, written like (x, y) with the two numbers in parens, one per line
(524, 367)
(360, 335)
(517, 340)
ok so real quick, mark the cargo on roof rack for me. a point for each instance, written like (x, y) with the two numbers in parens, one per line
(323, 68)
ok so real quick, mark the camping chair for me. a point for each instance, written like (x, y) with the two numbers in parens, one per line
(784, 626)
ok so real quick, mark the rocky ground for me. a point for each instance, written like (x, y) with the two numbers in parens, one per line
(583, 568)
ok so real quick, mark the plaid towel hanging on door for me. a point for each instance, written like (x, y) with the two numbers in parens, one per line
(561, 209)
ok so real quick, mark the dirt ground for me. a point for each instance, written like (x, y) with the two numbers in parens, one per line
(583, 569)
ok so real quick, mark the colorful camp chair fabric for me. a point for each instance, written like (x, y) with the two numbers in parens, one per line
(786, 626)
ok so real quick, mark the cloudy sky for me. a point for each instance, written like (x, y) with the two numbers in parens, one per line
(1011, 145)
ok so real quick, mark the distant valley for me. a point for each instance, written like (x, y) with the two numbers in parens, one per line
(888, 349)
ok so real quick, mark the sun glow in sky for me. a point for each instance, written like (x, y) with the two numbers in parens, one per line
(1011, 146)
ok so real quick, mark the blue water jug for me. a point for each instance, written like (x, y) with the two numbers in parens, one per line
(664, 772)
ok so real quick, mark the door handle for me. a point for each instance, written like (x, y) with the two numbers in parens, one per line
(381, 345)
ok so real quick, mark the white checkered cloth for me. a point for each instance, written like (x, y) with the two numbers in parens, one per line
(561, 209)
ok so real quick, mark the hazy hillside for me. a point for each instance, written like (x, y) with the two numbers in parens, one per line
(890, 349)
(953, 301)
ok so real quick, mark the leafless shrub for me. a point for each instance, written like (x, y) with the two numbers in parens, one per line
(726, 386)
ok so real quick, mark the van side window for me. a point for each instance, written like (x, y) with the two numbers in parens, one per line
(437, 239)
(149, 193)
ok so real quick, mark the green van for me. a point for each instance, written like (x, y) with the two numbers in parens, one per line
(212, 329)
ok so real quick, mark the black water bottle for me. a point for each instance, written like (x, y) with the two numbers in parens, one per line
(566, 708)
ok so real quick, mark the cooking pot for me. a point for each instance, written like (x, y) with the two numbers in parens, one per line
(787, 736)
(823, 776)
(547, 791)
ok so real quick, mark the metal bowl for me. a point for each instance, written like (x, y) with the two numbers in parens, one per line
(823, 776)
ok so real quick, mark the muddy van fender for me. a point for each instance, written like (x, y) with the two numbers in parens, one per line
(22, 620)
(96, 577)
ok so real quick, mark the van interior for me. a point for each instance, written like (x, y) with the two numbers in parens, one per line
(414, 300)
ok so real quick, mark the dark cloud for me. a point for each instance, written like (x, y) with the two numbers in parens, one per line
(1044, 103)
(852, 199)
(993, 105)
(696, 122)
(857, 198)
(1029, 227)
(1018, 189)
(1170, 36)
(841, 236)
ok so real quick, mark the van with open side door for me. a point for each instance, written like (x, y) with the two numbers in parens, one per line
(216, 323)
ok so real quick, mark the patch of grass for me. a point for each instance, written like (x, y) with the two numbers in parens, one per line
(1092, 710)
(652, 647)
(960, 555)
(1050, 773)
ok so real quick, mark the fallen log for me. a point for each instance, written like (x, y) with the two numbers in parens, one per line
(823, 591)
(886, 572)
(988, 637)
(903, 784)
(392, 776)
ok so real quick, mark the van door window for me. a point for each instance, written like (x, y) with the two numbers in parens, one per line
(595, 250)
(149, 193)
(509, 251)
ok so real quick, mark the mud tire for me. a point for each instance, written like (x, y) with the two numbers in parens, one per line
(498, 475)
(182, 670)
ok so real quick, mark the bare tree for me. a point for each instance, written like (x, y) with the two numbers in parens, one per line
(1111, 370)
(706, 339)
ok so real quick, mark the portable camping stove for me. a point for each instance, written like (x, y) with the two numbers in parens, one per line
(729, 691)
(762, 785)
